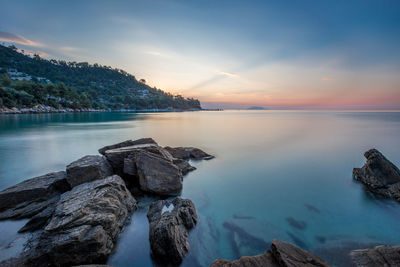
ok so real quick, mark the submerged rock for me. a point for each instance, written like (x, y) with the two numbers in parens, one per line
(188, 153)
(281, 254)
(169, 225)
(83, 226)
(88, 168)
(32, 196)
(379, 175)
(378, 256)
(140, 141)
(157, 175)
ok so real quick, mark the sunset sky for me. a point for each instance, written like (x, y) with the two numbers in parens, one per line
(276, 54)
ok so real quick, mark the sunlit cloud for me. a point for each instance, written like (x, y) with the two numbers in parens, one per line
(32, 53)
(326, 78)
(68, 48)
(17, 39)
(229, 74)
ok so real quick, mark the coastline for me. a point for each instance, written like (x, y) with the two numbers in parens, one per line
(43, 109)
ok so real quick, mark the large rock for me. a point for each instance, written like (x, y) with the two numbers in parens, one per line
(379, 175)
(376, 257)
(187, 153)
(157, 175)
(32, 196)
(281, 254)
(127, 143)
(117, 156)
(87, 169)
(183, 165)
(83, 227)
(169, 225)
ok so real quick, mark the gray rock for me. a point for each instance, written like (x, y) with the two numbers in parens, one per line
(157, 175)
(183, 165)
(187, 153)
(117, 156)
(38, 221)
(83, 227)
(87, 169)
(281, 254)
(127, 143)
(169, 225)
(379, 175)
(376, 257)
(32, 196)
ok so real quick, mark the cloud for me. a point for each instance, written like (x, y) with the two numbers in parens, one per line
(29, 52)
(13, 38)
(229, 74)
(326, 78)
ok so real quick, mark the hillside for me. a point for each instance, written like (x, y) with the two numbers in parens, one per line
(26, 81)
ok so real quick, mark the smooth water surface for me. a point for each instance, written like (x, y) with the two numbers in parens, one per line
(277, 174)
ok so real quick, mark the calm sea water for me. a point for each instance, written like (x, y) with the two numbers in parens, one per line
(277, 174)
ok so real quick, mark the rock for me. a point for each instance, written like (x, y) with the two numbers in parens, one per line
(84, 225)
(117, 156)
(157, 175)
(379, 175)
(39, 220)
(127, 143)
(187, 153)
(265, 260)
(378, 256)
(281, 254)
(169, 225)
(87, 169)
(183, 165)
(287, 254)
(32, 196)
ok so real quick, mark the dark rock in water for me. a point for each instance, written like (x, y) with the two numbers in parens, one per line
(188, 153)
(83, 227)
(127, 143)
(287, 254)
(379, 175)
(32, 196)
(183, 165)
(301, 225)
(378, 256)
(87, 169)
(265, 260)
(169, 225)
(39, 220)
(117, 156)
(281, 254)
(157, 175)
(312, 208)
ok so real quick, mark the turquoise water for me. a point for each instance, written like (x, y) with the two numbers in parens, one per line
(277, 174)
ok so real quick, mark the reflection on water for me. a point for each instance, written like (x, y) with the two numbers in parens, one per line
(277, 174)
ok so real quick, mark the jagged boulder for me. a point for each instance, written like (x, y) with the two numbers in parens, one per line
(183, 165)
(32, 196)
(187, 153)
(83, 227)
(126, 143)
(117, 156)
(379, 175)
(157, 175)
(281, 254)
(375, 257)
(169, 225)
(88, 168)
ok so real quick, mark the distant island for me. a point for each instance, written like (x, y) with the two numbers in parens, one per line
(31, 83)
(256, 108)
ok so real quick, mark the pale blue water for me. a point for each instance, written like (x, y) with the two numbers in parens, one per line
(272, 168)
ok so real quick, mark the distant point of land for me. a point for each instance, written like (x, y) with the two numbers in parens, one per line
(256, 108)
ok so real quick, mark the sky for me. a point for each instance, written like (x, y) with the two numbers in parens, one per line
(228, 54)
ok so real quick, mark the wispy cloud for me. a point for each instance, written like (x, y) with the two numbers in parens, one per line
(229, 74)
(13, 38)
(326, 78)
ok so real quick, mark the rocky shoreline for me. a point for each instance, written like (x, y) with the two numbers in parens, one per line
(76, 215)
